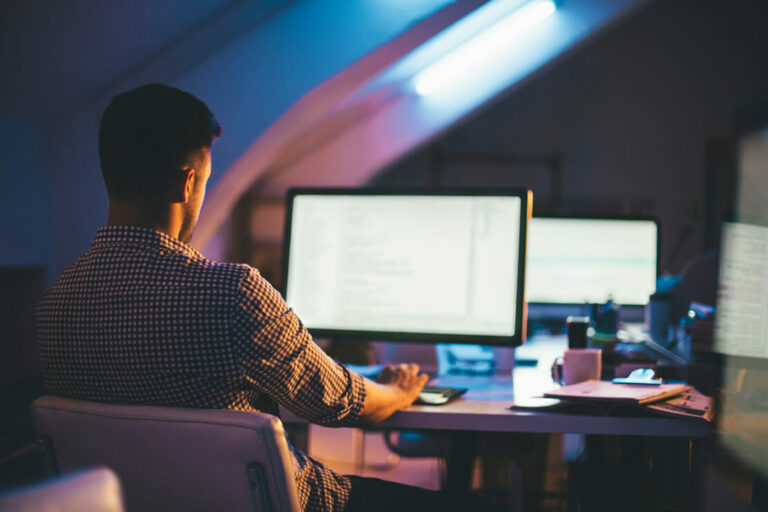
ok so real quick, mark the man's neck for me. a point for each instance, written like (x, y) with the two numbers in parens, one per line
(161, 218)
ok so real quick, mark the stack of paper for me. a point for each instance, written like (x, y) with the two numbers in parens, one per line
(690, 404)
(607, 398)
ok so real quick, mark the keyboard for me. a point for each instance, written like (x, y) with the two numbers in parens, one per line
(438, 395)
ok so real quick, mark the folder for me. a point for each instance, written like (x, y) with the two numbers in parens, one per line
(606, 391)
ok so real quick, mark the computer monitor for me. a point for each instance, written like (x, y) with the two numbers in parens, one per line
(742, 302)
(578, 260)
(741, 323)
(441, 266)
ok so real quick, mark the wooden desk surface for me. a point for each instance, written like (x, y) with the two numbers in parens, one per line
(485, 407)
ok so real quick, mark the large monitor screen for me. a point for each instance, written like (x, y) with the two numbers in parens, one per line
(742, 302)
(741, 325)
(587, 260)
(421, 266)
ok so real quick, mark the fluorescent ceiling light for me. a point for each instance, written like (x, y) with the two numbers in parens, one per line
(482, 50)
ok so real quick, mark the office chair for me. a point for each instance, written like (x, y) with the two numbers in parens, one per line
(173, 459)
(95, 490)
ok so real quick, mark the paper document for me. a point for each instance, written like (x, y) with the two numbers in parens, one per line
(691, 404)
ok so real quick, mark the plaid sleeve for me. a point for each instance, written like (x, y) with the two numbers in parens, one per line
(280, 358)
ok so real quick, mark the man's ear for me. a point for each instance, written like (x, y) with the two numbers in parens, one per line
(183, 181)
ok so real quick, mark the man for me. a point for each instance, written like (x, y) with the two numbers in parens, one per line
(143, 318)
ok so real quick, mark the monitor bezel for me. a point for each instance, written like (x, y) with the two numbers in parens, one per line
(526, 204)
(655, 220)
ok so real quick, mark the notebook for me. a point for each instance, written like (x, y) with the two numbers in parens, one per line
(607, 391)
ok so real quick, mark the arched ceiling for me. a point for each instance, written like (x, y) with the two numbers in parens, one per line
(353, 125)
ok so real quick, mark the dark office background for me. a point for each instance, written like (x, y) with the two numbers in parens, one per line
(640, 120)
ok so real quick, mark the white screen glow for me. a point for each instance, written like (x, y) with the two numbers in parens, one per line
(572, 261)
(421, 264)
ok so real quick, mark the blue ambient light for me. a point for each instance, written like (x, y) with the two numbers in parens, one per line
(482, 50)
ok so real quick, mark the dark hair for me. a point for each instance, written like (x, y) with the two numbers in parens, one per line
(148, 132)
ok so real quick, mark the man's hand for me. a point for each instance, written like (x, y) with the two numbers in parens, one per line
(405, 377)
(395, 388)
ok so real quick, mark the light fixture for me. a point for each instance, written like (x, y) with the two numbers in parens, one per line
(483, 49)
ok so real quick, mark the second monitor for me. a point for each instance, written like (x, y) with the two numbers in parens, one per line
(573, 261)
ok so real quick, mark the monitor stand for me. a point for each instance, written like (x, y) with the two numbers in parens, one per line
(459, 359)
(443, 359)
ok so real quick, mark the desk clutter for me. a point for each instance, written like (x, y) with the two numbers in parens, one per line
(610, 399)
(627, 386)
(607, 391)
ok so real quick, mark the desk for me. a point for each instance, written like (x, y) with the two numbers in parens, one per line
(485, 407)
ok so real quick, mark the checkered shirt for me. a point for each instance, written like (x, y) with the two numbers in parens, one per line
(143, 319)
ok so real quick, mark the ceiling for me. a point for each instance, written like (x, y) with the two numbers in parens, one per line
(56, 55)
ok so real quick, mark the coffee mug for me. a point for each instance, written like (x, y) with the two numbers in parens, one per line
(578, 365)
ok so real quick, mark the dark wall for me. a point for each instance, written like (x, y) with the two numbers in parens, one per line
(631, 115)
(25, 194)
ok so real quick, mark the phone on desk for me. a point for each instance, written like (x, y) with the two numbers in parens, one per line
(643, 376)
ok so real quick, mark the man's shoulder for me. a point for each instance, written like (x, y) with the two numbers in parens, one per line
(222, 267)
(234, 273)
(171, 269)
(205, 270)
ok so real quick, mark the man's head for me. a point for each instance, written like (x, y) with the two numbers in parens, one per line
(154, 147)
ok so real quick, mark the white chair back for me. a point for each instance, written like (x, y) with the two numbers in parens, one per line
(174, 459)
(94, 490)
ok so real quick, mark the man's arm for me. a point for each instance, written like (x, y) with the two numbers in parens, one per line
(280, 359)
(396, 388)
